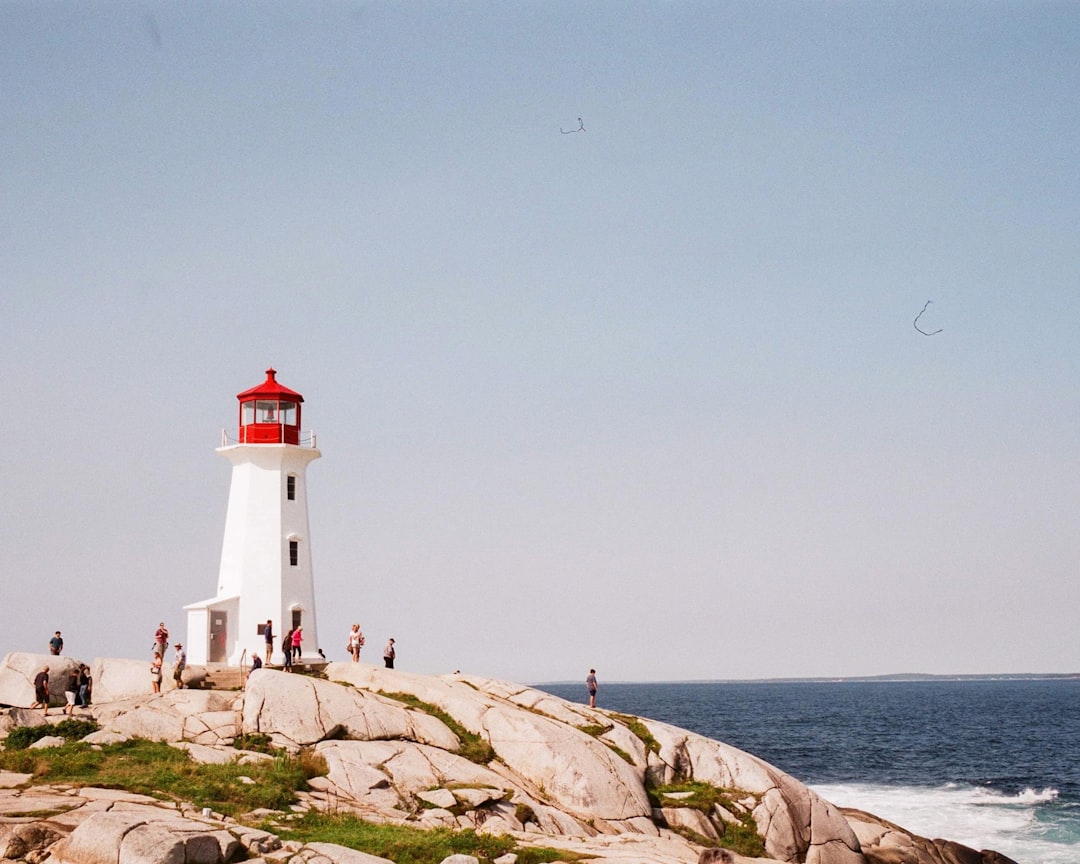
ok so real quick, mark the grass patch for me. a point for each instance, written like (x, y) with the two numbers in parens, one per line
(406, 845)
(70, 729)
(154, 768)
(618, 751)
(257, 742)
(473, 747)
(641, 731)
(596, 730)
(741, 837)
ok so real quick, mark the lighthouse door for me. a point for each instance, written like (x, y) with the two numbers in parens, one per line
(218, 627)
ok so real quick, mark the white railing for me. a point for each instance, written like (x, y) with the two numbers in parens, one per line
(231, 437)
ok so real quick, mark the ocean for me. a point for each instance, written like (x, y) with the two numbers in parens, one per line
(993, 764)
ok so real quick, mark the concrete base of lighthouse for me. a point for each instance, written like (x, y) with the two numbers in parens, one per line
(214, 636)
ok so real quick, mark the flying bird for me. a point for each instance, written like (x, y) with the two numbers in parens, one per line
(916, 322)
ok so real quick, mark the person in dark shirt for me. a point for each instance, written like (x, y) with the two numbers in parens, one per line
(56, 644)
(41, 689)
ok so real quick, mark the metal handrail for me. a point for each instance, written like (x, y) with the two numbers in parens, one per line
(307, 438)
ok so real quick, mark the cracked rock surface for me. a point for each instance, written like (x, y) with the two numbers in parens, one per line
(563, 775)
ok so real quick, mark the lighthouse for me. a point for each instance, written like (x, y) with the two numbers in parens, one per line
(265, 572)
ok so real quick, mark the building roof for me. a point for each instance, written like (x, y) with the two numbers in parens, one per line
(270, 389)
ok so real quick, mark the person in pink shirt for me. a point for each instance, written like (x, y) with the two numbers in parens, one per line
(297, 638)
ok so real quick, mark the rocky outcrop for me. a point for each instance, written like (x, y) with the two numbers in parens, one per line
(885, 843)
(456, 752)
(17, 673)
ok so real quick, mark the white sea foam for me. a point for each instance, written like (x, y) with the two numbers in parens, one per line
(1027, 827)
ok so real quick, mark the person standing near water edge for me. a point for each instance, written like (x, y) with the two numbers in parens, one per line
(590, 682)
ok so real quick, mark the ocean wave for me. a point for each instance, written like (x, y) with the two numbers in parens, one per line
(1029, 826)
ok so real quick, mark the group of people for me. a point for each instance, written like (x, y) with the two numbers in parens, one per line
(291, 650)
(356, 642)
(77, 689)
(161, 643)
(292, 646)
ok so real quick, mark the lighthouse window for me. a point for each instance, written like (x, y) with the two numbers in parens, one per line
(290, 487)
(266, 412)
(294, 553)
(248, 416)
(287, 413)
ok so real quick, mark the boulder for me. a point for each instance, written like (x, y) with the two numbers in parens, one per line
(20, 841)
(116, 679)
(794, 823)
(296, 711)
(570, 769)
(17, 673)
(201, 716)
(48, 742)
(341, 854)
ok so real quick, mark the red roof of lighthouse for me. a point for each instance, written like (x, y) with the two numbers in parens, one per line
(270, 389)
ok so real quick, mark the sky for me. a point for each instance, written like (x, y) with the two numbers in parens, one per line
(606, 316)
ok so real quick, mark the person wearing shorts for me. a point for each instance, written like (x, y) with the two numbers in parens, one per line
(71, 691)
(41, 689)
(590, 682)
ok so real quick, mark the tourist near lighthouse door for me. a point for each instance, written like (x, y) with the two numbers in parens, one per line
(218, 627)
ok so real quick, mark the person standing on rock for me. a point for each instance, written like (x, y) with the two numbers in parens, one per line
(161, 639)
(388, 654)
(297, 638)
(286, 649)
(590, 682)
(356, 642)
(71, 691)
(83, 699)
(155, 673)
(268, 637)
(41, 689)
(56, 644)
(179, 665)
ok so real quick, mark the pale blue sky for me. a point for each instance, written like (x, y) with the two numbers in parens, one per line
(646, 397)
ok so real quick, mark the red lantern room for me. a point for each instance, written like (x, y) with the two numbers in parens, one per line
(270, 413)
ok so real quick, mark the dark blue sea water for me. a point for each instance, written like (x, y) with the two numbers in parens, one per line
(993, 764)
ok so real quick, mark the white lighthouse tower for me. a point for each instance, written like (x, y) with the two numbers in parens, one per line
(266, 553)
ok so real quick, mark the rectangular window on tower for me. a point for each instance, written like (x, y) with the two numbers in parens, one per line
(294, 553)
(290, 487)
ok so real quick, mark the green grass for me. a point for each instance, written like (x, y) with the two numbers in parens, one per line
(640, 730)
(154, 768)
(406, 845)
(71, 729)
(741, 837)
(257, 742)
(473, 747)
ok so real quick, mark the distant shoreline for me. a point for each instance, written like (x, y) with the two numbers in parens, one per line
(899, 677)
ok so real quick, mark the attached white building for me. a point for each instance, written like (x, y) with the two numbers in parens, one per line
(265, 569)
